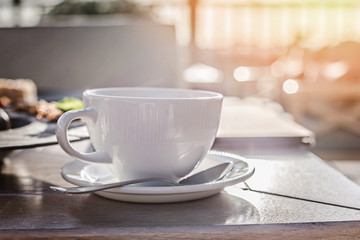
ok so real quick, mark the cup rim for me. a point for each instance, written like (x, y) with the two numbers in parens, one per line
(203, 94)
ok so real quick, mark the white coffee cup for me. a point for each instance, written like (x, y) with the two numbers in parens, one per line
(146, 132)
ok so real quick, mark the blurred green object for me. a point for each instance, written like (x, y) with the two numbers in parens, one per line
(69, 103)
(75, 7)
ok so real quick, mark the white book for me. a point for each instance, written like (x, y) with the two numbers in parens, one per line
(254, 120)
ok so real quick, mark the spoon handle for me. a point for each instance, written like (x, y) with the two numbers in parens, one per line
(88, 189)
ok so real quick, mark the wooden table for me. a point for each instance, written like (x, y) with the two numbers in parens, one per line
(293, 194)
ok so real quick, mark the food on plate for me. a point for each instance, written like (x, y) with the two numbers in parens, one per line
(20, 95)
(69, 103)
(42, 109)
(15, 91)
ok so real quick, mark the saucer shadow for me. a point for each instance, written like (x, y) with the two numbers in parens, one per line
(220, 209)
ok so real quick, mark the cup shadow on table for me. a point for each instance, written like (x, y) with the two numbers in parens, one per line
(219, 209)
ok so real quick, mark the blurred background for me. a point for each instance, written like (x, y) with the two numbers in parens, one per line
(302, 54)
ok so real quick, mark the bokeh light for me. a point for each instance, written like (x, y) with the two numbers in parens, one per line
(290, 86)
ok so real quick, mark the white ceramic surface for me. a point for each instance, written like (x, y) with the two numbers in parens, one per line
(87, 174)
(146, 132)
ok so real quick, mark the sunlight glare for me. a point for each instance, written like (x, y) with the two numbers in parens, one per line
(290, 86)
(202, 73)
(336, 70)
(241, 74)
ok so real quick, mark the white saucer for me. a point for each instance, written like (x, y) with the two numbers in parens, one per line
(87, 174)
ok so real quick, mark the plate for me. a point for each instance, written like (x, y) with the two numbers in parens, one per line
(87, 174)
(31, 132)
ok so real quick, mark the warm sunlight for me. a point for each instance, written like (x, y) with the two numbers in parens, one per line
(223, 24)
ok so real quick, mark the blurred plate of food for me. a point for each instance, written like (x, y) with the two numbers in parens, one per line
(28, 122)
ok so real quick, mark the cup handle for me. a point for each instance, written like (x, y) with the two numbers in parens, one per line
(62, 138)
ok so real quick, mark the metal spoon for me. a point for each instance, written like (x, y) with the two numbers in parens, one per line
(209, 175)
